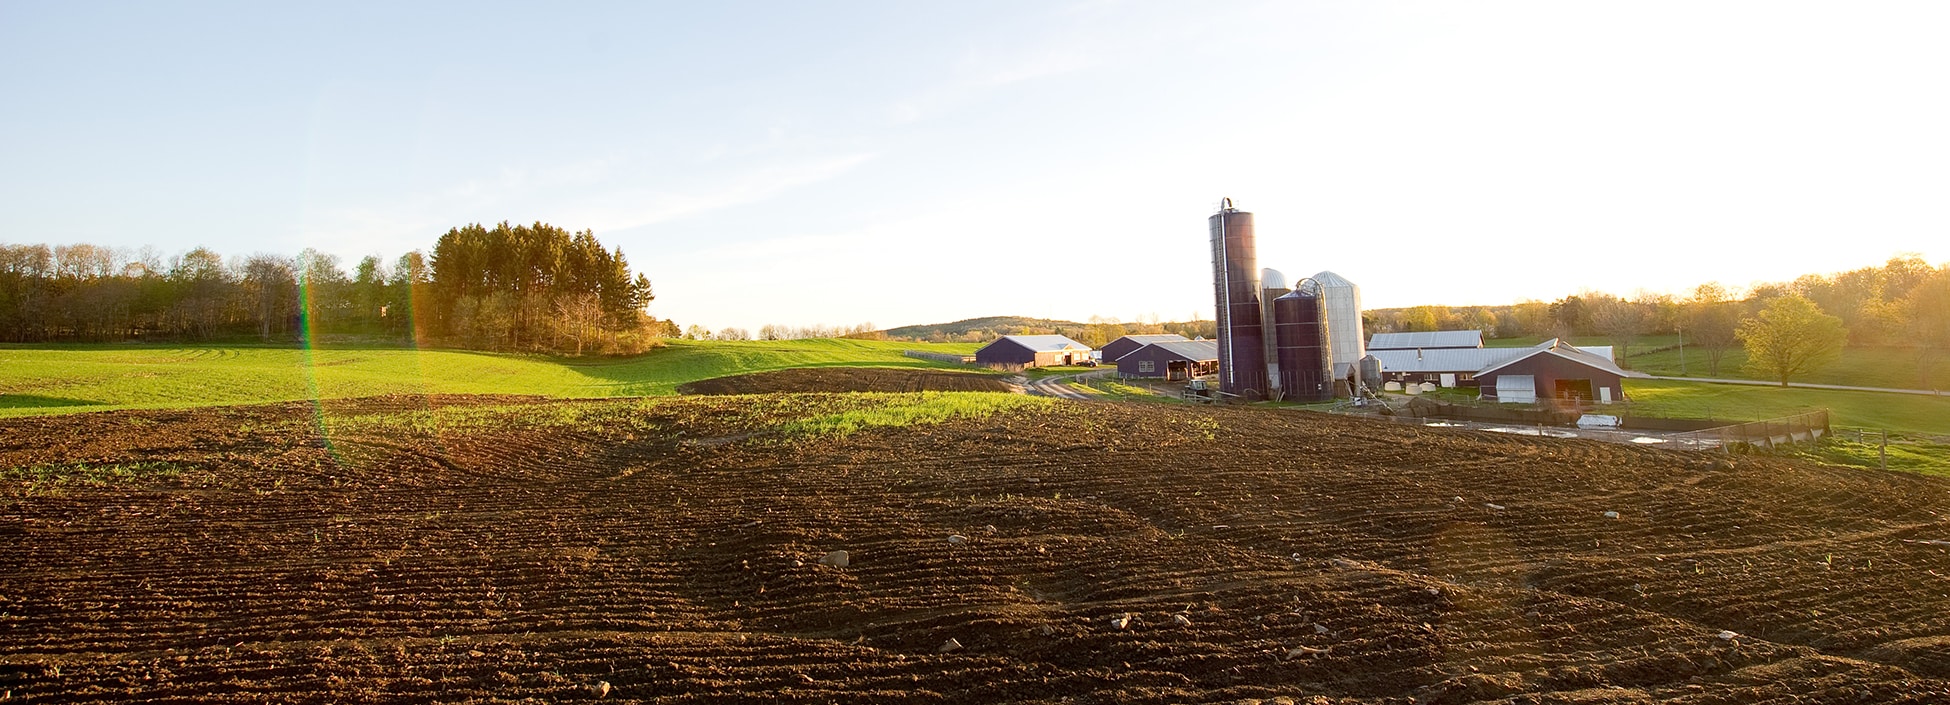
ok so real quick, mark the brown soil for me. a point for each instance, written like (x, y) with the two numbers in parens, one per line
(671, 551)
(847, 379)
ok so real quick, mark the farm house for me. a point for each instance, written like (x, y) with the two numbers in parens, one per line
(1175, 361)
(1554, 370)
(1020, 351)
(1125, 345)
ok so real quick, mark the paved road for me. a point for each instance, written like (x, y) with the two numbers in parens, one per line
(1807, 385)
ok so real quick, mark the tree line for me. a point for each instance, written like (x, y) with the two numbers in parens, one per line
(533, 288)
(1095, 333)
(1902, 303)
(775, 331)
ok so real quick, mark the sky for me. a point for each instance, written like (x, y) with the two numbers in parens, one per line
(920, 162)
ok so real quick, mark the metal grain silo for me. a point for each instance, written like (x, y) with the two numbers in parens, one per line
(1302, 329)
(1371, 372)
(1349, 341)
(1235, 281)
(1272, 285)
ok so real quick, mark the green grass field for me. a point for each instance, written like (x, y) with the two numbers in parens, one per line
(1859, 367)
(1699, 400)
(70, 378)
(1900, 368)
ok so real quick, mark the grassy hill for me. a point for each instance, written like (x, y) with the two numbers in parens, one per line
(988, 327)
(68, 378)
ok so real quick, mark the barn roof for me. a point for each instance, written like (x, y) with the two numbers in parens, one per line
(1483, 360)
(1444, 359)
(1044, 343)
(1568, 352)
(1142, 340)
(1186, 349)
(1430, 339)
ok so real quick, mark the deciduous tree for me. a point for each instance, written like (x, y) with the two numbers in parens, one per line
(1926, 318)
(1711, 322)
(1791, 337)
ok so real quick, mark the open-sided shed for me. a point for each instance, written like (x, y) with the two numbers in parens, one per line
(1171, 360)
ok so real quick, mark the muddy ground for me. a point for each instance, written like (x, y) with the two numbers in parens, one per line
(848, 379)
(1079, 553)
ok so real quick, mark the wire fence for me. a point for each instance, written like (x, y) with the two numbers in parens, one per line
(1805, 427)
(1770, 433)
(940, 357)
(1863, 434)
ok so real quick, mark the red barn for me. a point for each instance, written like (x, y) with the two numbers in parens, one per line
(1554, 370)
(1019, 351)
(1172, 360)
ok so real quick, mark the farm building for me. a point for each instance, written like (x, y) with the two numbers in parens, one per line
(1430, 340)
(1464, 367)
(1554, 370)
(1449, 367)
(1177, 360)
(1122, 346)
(1019, 351)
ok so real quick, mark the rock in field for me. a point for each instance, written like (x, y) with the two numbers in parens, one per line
(837, 559)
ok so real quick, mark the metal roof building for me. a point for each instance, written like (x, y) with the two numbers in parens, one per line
(1554, 370)
(1172, 360)
(1426, 340)
(1465, 365)
(1032, 351)
(1123, 346)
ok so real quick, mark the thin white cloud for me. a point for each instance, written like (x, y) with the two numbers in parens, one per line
(977, 73)
(637, 208)
(512, 194)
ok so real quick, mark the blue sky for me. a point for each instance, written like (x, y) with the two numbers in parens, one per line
(908, 162)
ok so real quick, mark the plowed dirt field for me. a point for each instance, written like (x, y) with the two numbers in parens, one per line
(847, 379)
(669, 551)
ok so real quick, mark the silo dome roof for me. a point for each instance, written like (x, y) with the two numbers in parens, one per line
(1331, 279)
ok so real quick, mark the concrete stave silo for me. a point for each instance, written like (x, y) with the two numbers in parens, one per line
(1235, 277)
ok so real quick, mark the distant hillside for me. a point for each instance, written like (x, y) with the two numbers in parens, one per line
(981, 330)
(987, 327)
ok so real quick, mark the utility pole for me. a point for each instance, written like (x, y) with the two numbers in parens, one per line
(1682, 347)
